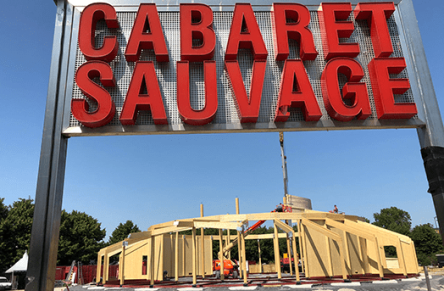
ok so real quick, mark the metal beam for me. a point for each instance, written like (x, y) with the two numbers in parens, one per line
(51, 175)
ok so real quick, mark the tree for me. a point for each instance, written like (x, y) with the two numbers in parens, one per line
(427, 243)
(15, 231)
(394, 219)
(81, 237)
(122, 231)
(3, 210)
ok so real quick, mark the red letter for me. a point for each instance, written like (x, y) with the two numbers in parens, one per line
(297, 30)
(384, 87)
(245, 34)
(201, 28)
(144, 78)
(248, 108)
(377, 15)
(90, 15)
(296, 92)
(105, 106)
(147, 34)
(187, 113)
(332, 30)
(353, 90)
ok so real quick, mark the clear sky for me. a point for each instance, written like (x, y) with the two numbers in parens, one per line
(154, 179)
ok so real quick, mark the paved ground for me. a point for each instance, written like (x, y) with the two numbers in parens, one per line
(436, 282)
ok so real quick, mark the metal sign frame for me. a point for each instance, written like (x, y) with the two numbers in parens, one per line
(49, 192)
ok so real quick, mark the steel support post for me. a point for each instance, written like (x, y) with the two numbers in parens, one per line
(431, 137)
(49, 192)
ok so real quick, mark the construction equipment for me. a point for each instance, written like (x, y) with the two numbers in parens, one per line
(230, 269)
(71, 272)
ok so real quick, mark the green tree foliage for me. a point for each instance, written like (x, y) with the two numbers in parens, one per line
(394, 219)
(15, 231)
(427, 243)
(81, 237)
(122, 231)
(4, 209)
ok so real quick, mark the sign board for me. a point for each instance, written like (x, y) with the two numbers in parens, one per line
(170, 67)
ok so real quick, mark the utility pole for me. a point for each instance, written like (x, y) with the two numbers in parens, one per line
(284, 162)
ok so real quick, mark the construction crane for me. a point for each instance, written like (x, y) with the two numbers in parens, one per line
(284, 162)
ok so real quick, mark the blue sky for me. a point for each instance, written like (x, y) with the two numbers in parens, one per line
(153, 179)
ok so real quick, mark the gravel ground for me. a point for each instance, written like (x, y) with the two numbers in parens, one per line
(436, 282)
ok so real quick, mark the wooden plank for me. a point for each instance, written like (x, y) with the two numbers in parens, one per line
(322, 230)
(166, 230)
(378, 258)
(356, 230)
(401, 259)
(99, 267)
(334, 236)
(302, 246)
(347, 253)
(283, 226)
(122, 266)
(217, 225)
(106, 268)
(261, 216)
(264, 236)
(329, 260)
(276, 251)
(296, 260)
(289, 254)
(364, 253)
(244, 260)
(202, 238)
(239, 253)
(176, 258)
(193, 246)
(221, 256)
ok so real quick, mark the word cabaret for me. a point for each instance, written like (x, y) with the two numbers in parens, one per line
(289, 21)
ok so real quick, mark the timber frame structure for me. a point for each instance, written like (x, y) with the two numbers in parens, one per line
(330, 245)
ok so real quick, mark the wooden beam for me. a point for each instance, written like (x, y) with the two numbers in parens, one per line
(322, 230)
(105, 268)
(264, 236)
(296, 260)
(303, 246)
(401, 259)
(349, 227)
(283, 226)
(289, 254)
(193, 246)
(277, 261)
(347, 253)
(202, 244)
(221, 256)
(183, 256)
(218, 225)
(99, 267)
(261, 216)
(244, 260)
(239, 253)
(122, 265)
(176, 258)
(329, 260)
(166, 230)
(378, 258)
(333, 236)
(364, 254)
